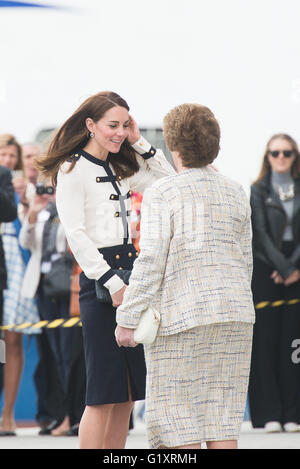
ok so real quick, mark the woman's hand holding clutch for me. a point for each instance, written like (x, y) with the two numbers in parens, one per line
(124, 337)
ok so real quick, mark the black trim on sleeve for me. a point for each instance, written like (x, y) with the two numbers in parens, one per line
(149, 154)
(108, 275)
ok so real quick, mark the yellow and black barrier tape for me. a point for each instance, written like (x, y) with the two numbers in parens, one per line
(274, 304)
(75, 321)
(66, 322)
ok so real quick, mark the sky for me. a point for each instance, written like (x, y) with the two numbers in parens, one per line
(238, 57)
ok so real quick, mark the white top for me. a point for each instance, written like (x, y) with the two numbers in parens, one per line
(94, 208)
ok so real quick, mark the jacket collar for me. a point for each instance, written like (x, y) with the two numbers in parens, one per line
(265, 183)
(95, 160)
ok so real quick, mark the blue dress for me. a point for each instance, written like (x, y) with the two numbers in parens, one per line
(110, 369)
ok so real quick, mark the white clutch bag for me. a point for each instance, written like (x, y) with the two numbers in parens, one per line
(146, 331)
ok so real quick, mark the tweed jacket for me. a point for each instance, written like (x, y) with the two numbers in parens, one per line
(195, 264)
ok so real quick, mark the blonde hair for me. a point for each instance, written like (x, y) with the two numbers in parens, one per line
(9, 139)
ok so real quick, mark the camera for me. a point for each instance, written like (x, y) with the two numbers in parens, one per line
(41, 190)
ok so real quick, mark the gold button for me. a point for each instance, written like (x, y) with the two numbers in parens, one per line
(136, 254)
(152, 152)
(76, 156)
(130, 254)
(116, 214)
(112, 196)
(119, 177)
(98, 179)
(141, 144)
(120, 268)
(117, 256)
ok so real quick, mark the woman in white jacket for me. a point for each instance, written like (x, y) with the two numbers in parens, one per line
(97, 158)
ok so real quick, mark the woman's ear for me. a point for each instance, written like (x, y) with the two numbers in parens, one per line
(89, 124)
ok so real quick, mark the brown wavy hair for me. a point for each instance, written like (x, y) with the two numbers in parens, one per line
(193, 131)
(9, 139)
(74, 135)
(266, 167)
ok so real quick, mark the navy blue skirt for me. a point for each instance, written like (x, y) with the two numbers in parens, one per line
(110, 369)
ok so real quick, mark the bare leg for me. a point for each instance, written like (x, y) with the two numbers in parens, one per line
(92, 426)
(117, 426)
(105, 426)
(118, 423)
(225, 444)
(12, 374)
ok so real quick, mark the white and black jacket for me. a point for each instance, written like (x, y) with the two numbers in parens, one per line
(94, 207)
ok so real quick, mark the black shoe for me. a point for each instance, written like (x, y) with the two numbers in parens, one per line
(47, 430)
(7, 433)
(73, 430)
(44, 423)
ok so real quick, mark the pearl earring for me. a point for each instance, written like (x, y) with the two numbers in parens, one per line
(92, 134)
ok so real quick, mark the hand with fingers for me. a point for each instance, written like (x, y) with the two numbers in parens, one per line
(276, 277)
(125, 337)
(134, 132)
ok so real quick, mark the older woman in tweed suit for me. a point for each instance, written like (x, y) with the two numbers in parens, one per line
(195, 267)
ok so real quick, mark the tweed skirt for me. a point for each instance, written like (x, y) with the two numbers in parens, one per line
(197, 384)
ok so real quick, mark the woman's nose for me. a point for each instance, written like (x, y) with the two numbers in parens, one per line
(121, 132)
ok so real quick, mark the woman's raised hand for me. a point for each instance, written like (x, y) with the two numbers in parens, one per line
(38, 203)
(134, 132)
(20, 185)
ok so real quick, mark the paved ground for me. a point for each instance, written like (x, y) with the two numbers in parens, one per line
(28, 438)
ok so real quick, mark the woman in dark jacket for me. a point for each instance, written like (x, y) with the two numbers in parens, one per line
(274, 388)
(8, 212)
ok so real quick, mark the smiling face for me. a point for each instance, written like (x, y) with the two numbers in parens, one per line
(111, 130)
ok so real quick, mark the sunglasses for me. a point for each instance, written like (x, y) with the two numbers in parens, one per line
(286, 153)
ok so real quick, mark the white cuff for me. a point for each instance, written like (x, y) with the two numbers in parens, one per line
(141, 146)
(114, 284)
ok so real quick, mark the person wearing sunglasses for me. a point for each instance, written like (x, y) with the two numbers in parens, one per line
(274, 396)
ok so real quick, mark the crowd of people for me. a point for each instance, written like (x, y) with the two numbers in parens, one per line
(206, 258)
(32, 241)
